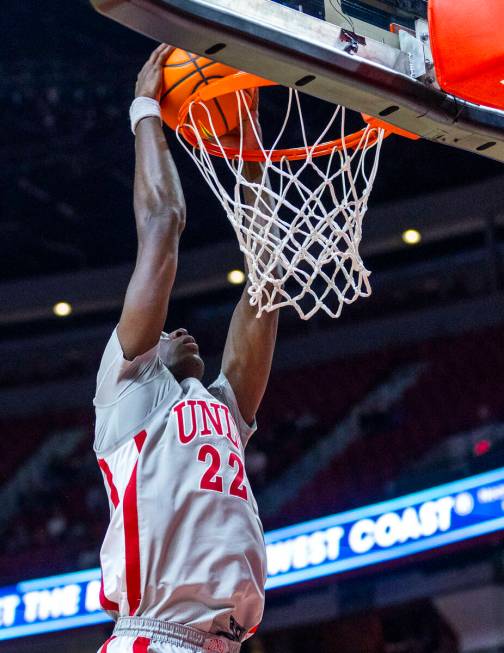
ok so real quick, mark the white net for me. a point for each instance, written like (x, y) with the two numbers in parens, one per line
(299, 223)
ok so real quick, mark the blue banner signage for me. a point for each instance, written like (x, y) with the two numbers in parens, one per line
(386, 531)
(358, 538)
(49, 604)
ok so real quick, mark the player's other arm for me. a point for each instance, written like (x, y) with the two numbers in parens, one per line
(250, 343)
(160, 218)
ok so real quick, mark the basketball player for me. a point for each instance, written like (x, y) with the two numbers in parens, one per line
(183, 560)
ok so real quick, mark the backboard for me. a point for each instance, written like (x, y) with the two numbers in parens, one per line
(371, 56)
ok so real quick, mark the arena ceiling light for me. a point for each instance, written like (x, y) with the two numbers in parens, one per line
(411, 236)
(62, 309)
(236, 277)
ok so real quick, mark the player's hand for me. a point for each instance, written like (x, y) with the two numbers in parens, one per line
(250, 122)
(150, 78)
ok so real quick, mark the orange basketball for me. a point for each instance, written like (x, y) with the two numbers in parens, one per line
(183, 73)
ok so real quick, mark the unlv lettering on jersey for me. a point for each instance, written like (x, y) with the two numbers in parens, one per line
(196, 417)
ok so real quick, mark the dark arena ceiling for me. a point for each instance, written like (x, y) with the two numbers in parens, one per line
(66, 81)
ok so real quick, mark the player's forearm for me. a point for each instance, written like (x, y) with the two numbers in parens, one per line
(254, 173)
(158, 197)
(248, 355)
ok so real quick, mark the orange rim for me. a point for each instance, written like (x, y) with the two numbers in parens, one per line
(241, 81)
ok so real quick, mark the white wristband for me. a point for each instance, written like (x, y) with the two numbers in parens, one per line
(142, 107)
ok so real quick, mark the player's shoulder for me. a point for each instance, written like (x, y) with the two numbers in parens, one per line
(222, 390)
(220, 387)
(118, 376)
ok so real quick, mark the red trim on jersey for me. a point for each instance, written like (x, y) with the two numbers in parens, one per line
(253, 630)
(106, 603)
(114, 495)
(132, 535)
(140, 439)
(132, 543)
(141, 645)
(104, 648)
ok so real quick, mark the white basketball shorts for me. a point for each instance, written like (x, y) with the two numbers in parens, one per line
(143, 635)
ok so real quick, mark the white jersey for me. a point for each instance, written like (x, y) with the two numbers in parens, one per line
(185, 543)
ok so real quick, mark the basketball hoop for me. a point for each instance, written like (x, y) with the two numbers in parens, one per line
(301, 234)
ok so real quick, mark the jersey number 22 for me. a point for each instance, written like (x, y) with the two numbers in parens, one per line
(212, 480)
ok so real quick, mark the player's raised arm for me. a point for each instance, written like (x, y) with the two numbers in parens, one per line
(160, 218)
(250, 342)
